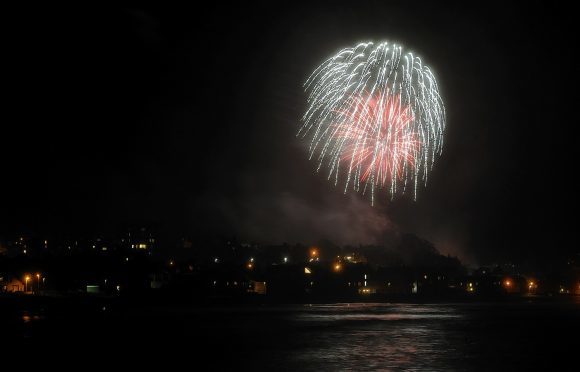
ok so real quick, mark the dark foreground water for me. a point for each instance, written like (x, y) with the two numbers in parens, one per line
(483, 336)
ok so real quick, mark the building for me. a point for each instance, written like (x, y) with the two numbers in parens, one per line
(12, 285)
(355, 258)
(257, 287)
(140, 240)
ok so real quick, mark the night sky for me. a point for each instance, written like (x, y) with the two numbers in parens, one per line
(185, 120)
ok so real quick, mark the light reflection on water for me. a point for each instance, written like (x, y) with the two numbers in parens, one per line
(361, 312)
(377, 336)
(433, 337)
(28, 317)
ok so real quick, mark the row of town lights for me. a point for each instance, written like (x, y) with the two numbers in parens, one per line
(337, 267)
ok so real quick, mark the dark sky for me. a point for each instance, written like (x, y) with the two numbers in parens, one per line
(185, 120)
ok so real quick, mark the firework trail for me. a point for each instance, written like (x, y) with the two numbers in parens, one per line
(375, 118)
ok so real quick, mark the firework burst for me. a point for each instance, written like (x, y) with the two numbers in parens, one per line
(375, 118)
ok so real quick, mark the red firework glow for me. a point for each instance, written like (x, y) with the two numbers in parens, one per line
(377, 138)
(375, 118)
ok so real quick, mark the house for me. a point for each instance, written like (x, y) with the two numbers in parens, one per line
(257, 287)
(12, 285)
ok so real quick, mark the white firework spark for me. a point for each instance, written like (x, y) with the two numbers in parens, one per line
(374, 113)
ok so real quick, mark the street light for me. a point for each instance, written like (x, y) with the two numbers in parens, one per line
(26, 279)
(38, 279)
(314, 255)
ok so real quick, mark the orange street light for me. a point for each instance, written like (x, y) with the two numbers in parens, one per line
(26, 280)
(337, 267)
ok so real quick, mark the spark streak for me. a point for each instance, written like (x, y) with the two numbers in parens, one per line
(376, 115)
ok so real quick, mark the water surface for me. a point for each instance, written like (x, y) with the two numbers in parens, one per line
(435, 337)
